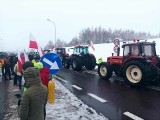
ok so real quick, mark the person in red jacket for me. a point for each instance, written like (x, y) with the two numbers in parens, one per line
(44, 71)
(44, 74)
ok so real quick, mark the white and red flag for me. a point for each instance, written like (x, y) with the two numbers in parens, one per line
(33, 44)
(91, 45)
(25, 56)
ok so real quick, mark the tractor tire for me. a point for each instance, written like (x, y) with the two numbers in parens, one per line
(105, 70)
(91, 62)
(76, 63)
(136, 73)
(66, 63)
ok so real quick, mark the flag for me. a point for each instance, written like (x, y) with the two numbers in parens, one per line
(33, 44)
(91, 45)
(25, 56)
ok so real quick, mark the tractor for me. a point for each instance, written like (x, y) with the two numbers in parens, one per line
(61, 52)
(138, 65)
(80, 57)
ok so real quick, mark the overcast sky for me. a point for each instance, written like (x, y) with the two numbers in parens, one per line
(19, 18)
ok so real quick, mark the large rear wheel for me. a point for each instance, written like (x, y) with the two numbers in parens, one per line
(66, 63)
(136, 73)
(90, 62)
(76, 63)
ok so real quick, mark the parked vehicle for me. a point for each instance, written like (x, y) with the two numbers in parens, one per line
(138, 65)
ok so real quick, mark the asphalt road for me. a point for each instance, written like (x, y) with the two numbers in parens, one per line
(113, 98)
(3, 96)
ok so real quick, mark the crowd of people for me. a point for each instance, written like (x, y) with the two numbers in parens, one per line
(32, 78)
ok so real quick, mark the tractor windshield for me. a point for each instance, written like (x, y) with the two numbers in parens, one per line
(149, 50)
(83, 50)
(60, 51)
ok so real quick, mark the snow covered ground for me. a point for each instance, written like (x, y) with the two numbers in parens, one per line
(66, 106)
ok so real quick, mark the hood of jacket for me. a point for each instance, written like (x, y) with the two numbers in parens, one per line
(32, 77)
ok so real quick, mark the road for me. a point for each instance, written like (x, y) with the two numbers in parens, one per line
(113, 98)
(3, 96)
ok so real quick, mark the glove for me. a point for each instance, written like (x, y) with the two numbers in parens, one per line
(19, 102)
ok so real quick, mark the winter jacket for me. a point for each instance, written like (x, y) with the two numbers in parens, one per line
(44, 73)
(33, 101)
(38, 65)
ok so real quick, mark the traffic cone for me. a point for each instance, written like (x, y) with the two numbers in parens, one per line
(51, 88)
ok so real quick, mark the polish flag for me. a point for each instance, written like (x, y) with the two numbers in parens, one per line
(33, 44)
(91, 45)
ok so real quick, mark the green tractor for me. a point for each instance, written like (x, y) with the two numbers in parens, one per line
(80, 57)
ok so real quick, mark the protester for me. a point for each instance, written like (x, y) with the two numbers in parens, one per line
(19, 75)
(7, 69)
(37, 63)
(44, 71)
(24, 67)
(34, 100)
(15, 60)
(44, 74)
(2, 60)
(0, 68)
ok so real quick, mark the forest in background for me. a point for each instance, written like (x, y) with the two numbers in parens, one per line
(100, 35)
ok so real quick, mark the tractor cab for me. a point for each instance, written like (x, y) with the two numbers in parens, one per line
(139, 50)
(80, 50)
(61, 52)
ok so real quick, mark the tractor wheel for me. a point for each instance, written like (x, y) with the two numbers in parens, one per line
(91, 62)
(136, 74)
(76, 63)
(66, 63)
(104, 70)
(117, 70)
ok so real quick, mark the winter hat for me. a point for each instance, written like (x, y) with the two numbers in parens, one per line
(27, 65)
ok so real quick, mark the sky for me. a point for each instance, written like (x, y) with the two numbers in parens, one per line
(19, 18)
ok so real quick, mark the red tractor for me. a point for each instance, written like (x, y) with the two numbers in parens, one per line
(61, 52)
(138, 65)
(80, 57)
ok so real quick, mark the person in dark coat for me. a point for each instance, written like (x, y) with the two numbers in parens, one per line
(7, 69)
(34, 99)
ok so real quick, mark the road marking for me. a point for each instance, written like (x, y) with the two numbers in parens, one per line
(134, 117)
(75, 86)
(60, 78)
(96, 97)
(90, 72)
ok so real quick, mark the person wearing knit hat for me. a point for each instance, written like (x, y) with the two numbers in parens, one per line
(34, 99)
